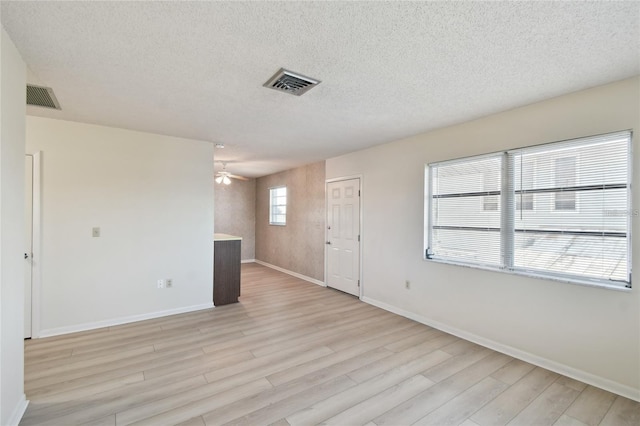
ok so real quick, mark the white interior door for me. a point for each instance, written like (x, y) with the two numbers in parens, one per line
(28, 251)
(343, 235)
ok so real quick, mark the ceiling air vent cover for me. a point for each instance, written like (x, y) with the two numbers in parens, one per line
(291, 82)
(41, 97)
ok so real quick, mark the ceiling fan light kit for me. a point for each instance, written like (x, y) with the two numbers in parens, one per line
(224, 177)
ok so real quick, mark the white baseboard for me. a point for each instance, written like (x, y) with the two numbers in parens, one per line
(122, 320)
(247, 261)
(18, 411)
(294, 274)
(583, 376)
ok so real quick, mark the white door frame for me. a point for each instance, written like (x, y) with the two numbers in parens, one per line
(326, 231)
(36, 235)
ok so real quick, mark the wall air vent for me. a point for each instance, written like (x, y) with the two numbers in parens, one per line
(41, 97)
(291, 82)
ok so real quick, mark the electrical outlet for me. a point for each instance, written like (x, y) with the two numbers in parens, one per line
(168, 283)
(407, 284)
(160, 283)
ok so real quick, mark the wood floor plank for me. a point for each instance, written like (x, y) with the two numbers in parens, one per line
(274, 412)
(566, 420)
(83, 376)
(591, 406)
(414, 339)
(105, 421)
(513, 371)
(571, 383)
(440, 393)
(202, 364)
(294, 350)
(400, 358)
(93, 389)
(456, 363)
(513, 400)
(269, 364)
(196, 421)
(193, 408)
(547, 407)
(364, 390)
(462, 406)
(99, 406)
(623, 412)
(153, 408)
(326, 361)
(249, 410)
(48, 370)
(317, 378)
(371, 408)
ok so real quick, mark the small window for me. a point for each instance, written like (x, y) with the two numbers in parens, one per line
(524, 172)
(278, 205)
(490, 202)
(524, 201)
(565, 181)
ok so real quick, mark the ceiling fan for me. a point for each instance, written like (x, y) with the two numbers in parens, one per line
(225, 177)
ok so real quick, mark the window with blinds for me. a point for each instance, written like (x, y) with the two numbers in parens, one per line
(278, 205)
(465, 210)
(559, 210)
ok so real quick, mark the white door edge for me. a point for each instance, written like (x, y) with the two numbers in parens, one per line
(28, 244)
(36, 260)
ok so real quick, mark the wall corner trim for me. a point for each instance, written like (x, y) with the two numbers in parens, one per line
(18, 411)
(565, 370)
(294, 274)
(122, 320)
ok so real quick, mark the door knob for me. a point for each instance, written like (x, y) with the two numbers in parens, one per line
(26, 255)
(328, 242)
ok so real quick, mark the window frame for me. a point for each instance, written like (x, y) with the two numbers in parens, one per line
(509, 199)
(272, 206)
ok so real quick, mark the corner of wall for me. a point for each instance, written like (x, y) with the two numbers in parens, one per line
(12, 142)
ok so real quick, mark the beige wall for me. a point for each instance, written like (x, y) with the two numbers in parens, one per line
(299, 245)
(589, 333)
(235, 213)
(12, 231)
(151, 196)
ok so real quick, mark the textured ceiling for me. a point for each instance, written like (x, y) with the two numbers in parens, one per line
(388, 69)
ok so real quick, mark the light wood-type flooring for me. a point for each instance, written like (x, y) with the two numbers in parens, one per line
(295, 353)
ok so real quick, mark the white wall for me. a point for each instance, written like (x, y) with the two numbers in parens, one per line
(12, 238)
(589, 333)
(151, 196)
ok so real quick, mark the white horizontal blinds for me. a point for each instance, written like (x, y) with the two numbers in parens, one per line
(572, 207)
(465, 210)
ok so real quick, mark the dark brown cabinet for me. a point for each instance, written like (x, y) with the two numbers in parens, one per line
(226, 271)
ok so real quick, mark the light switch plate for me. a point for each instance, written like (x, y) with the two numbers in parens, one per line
(96, 232)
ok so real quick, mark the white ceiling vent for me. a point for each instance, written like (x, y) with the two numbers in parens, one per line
(42, 97)
(291, 82)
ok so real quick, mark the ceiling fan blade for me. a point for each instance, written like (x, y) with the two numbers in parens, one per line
(237, 177)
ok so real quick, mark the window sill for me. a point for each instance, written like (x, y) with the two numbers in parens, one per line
(531, 274)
